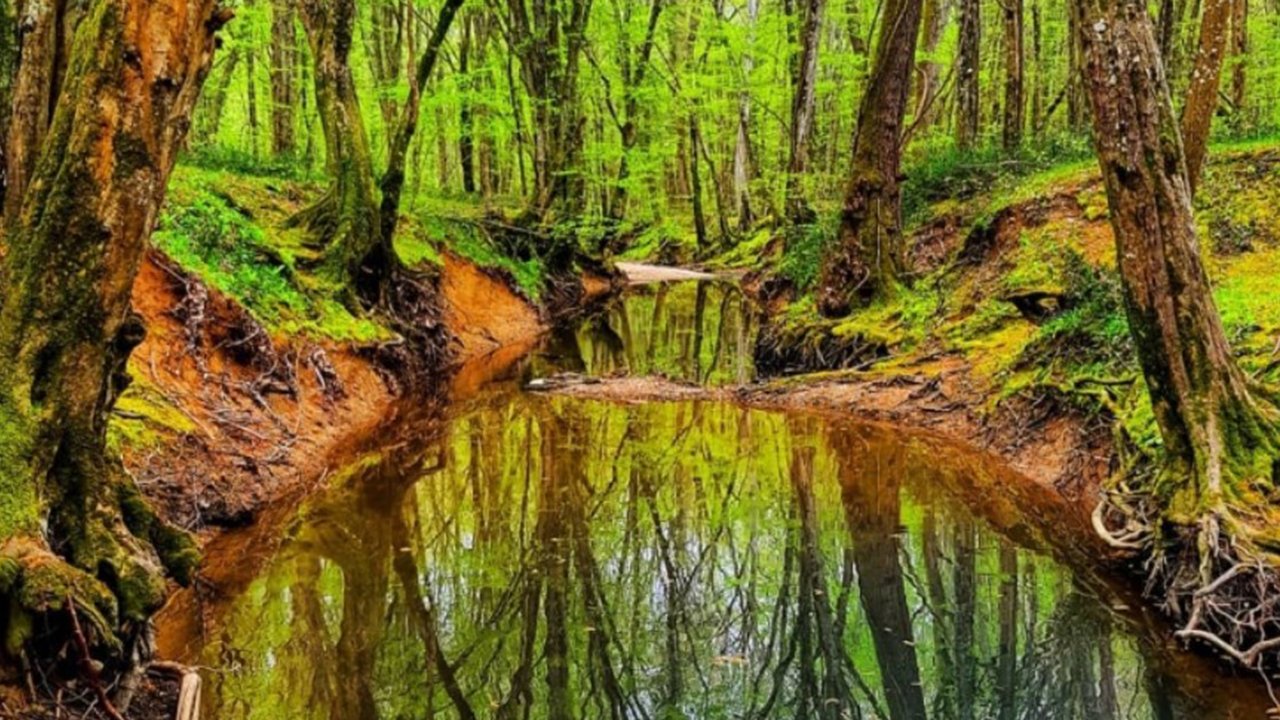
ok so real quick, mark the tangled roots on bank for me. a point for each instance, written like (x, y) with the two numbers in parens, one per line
(1224, 593)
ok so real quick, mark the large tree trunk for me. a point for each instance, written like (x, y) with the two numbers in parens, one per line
(803, 111)
(1202, 93)
(1219, 437)
(284, 91)
(73, 522)
(967, 73)
(1014, 74)
(867, 257)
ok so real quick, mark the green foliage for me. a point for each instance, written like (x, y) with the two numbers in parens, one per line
(236, 160)
(1093, 332)
(942, 172)
(226, 249)
(469, 240)
(802, 255)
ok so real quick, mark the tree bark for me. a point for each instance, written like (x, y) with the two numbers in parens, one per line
(45, 31)
(392, 184)
(866, 260)
(929, 70)
(345, 220)
(1217, 433)
(742, 142)
(549, 42)
(1014, 74)
(803, 110)
(1202, 93)
(633, 77)
(1239, 52)
(967, 73)
(72, 519)
(284, 91)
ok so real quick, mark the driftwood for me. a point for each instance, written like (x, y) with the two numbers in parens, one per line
(188, 691)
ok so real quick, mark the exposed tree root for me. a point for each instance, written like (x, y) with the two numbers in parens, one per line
(1224, 592)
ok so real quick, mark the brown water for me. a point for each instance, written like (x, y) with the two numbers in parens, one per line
(547, 557)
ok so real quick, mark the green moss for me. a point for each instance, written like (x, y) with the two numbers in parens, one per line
(467, 240)
(227, 231)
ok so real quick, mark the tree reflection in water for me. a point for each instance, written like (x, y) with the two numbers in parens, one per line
(556, 558)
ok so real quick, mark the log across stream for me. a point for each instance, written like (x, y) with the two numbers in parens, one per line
(536, 555)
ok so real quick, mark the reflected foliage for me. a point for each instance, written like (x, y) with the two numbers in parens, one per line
(699, 332)
(555, 558)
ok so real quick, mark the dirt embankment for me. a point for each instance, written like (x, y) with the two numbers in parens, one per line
(225, 420)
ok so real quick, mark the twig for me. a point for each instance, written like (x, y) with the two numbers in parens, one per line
(87, 666)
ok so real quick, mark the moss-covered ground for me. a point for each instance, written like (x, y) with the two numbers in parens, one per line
(1048, 232)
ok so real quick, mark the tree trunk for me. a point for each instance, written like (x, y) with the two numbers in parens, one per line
(45, 31)
(633, 78)
(1202, 93)
(466, 117)
(345, 220)
(392, 184)
(1239, 52)
(73, 520)
(549, 43)
(284, 92)
(867, 258)
(1218, 436)
(967, 73)
(251, 98)
(803, 109)
(742, 143)
(1014, 74)
(929, 70)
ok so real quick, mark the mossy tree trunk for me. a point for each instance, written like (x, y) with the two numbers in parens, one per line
(73, 523)
(1219, 434)
(284, 72)
(45, 30)
(392, 184)
(866, 260)
(345, 220)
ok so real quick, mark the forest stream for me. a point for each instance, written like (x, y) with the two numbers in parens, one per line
(534, 555)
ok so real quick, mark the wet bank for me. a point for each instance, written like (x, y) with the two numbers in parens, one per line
(544, 555)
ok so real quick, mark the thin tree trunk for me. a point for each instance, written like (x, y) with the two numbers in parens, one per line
(1014, 74)
(1202, 94)
(803, 111)
(742, 144)
(633, 78)
(928, 69)
(1239, 52)
(866, 261)
(968, 112)
(284, 91)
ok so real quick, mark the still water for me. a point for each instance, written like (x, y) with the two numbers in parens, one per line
(546, 557)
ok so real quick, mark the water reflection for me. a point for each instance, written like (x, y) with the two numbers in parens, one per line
(554, 558)
(700, 332)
